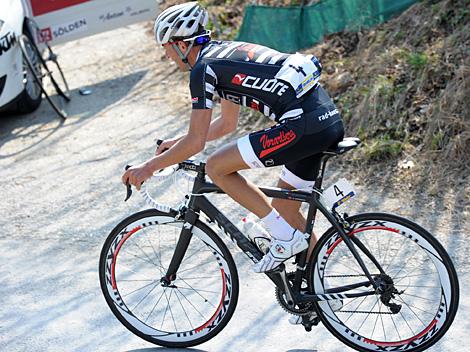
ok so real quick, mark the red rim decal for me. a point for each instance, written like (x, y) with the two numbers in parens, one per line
(224, 291)
(339, 240)
(124, 239)
(403, 342)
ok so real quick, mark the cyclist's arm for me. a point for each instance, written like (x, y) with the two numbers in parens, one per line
(226, 123)
(192, 143)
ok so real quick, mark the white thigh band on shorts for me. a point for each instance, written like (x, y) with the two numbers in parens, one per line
(247, 152)
(295, 181)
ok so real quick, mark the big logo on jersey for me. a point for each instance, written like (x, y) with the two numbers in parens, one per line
(268, 85)
(273, 143)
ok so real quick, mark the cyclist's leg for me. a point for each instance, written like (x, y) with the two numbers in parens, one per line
(222, 167)
(297, 175)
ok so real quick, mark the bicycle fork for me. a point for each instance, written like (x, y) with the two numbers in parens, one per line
(190, 218)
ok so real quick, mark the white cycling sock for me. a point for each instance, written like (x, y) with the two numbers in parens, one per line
(278, 227)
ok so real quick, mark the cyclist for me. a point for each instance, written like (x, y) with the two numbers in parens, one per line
(284, 87)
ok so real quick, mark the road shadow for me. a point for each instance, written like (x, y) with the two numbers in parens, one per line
(45, 121)
(158, 349)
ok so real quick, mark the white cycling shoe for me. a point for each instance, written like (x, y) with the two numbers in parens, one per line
(335, 304)
(280, 251)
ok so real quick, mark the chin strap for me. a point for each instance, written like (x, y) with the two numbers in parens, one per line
(184, 57)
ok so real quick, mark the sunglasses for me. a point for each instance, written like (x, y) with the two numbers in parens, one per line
(200, 39)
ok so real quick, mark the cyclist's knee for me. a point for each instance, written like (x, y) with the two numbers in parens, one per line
(213, 166)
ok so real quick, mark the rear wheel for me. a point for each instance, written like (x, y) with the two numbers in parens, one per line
(190, 310)
(419, 290)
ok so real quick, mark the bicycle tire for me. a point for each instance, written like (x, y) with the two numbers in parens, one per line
(24, 42)
(64, 91)
(135, 228)
(439, 318)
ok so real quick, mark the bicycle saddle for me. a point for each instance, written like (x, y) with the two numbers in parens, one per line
(346, 144)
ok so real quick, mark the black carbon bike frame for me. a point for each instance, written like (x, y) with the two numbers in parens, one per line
(198, 203)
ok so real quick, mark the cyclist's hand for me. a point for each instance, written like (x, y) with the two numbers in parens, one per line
(165, 145)
(136, 175)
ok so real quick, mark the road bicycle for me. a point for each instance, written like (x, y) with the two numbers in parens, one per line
(170, 279)
(37, 65)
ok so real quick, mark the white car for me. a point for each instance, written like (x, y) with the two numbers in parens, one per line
(18, 90)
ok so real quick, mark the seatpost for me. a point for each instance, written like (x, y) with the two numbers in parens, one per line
(318, 183)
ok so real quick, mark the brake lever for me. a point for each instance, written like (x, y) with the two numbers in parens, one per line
(159, 142)
(128, 186)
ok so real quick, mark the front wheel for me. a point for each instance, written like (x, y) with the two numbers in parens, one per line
(419, 290)
(194, 307)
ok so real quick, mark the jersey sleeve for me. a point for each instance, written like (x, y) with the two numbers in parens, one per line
(202, 85)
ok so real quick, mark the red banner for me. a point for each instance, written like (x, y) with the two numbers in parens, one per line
(41, 7)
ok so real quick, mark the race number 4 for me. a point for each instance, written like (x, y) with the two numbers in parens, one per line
(338, 193)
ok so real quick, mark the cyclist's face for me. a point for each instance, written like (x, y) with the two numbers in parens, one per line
(171, 53)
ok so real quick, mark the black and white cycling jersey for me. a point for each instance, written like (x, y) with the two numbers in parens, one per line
(254, 76)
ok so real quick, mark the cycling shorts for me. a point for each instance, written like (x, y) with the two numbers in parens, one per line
(296, 142)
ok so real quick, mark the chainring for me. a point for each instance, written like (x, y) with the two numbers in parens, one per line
(302, 309)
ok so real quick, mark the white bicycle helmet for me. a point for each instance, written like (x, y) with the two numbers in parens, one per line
(183, 21)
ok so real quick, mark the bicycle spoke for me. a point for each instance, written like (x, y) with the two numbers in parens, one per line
(349, 268)
(422, 310)
(349, 302)
(367, 316)
(418, 286)
(190, 288)
(129, 269)
(387, 249)
(407, 276)
(406, 263)
(355, 309)
(187, 257)
(192, 305)
(153, 288)
(406, 321)
(129, 293)
(378, 247)
(155, 305)
(382, 320)
(196, 266)
(409, 294)
(395, 325)
(184, 310)
(416, 315)
(166, 309)
(201, 277)
(145, 260)
(145, 254)
(156, 255)
(375, 324)
(395, 256)
(171, 311)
